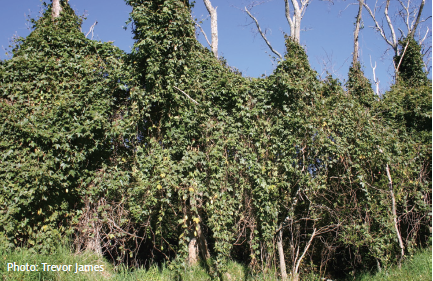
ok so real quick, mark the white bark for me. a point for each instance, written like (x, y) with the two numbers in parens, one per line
(394, 214)
(214, 26)
(376, 80)
(193, 100)
(294, 20)
(296, 267)
(393, 41)
(411, 26)
(91, 29)
(56, 9)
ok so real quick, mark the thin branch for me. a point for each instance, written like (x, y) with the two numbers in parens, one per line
(305, 250)
(379, 27)
(121, 229)
(402, 55)
(425, 36)
(407, 14)
(376, 81)
(186, 95)
(205, 37)
(262, 34)
(92, 28)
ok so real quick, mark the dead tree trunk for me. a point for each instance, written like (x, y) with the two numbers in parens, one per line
(356, 34)
(214, 26)
(56, 9)
(394, 214)
(295, 20)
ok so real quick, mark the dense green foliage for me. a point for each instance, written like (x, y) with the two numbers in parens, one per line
(59, 96)
(167, 153)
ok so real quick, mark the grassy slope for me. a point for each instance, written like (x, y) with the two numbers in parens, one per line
(417, 268)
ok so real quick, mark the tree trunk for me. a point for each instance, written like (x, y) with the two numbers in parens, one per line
(56, 9)
(356, 34)
(192, 251)
(214, 26)
(394, 214)
(202, 244)
(94, 243)
(281, 255)
(297, 35)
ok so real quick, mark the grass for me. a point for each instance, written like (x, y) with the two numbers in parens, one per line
(418, 267)
(63, 256)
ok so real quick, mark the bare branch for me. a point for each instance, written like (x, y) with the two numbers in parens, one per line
(425, 36)
(391, 27)
(376, 81)
(262, 34)
(205, 37)
(406, 8)
(92, 28)
(305, 250)
(186, 95)
(411, 34)
(401, 57)
(379, 27)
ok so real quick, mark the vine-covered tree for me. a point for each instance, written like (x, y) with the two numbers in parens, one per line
(59, 95)
(168, 155)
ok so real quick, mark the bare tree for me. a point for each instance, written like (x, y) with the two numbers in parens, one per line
(411, 16)
(294, 20)
(56, 9)
(214, 26)
(299, 8)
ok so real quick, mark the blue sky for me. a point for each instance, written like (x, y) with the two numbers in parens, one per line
(328, 39)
